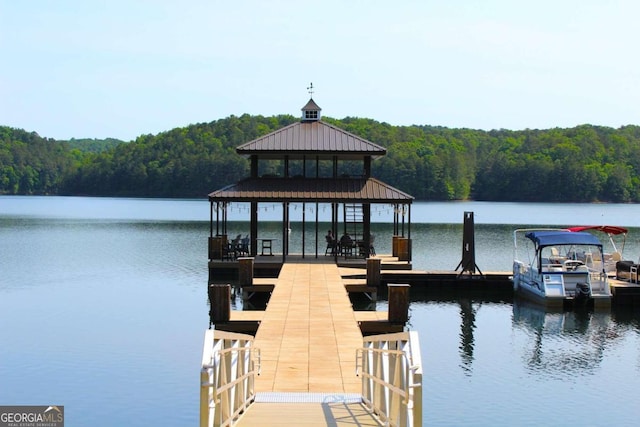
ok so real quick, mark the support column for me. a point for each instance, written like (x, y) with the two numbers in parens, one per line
(253, 251)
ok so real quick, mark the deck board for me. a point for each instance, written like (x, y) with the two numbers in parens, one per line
(309, 335)
(307, 414)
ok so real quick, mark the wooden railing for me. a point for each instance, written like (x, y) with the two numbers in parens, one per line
(391, 371)
(227, 379)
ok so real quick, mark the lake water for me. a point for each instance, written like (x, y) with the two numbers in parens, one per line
(103, 309)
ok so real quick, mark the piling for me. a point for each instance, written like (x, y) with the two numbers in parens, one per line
(220, 303)
(373, 272)
(216, 243)
(245, 271)
(404, 249)
(394, 245)
(398, 303)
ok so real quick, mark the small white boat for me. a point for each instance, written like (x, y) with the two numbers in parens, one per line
(552, 267)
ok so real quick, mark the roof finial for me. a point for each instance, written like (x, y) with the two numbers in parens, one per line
(310, 89)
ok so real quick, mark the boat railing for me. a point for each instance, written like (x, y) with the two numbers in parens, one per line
(599, 281)
(391, 371)
(227, 378)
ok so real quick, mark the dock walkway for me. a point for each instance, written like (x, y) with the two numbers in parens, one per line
(308, 337)
(305, 351)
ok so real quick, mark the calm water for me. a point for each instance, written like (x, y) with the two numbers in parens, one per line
(103, 309)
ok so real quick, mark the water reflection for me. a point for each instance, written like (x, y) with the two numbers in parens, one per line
(467, 327)
(564, 342)
(467, 301)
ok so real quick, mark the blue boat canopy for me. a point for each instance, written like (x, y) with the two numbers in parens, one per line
(552, 238)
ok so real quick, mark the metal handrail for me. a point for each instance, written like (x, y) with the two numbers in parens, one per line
(392, 378)
(227, 379)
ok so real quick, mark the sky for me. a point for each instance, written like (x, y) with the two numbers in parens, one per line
(125, 68)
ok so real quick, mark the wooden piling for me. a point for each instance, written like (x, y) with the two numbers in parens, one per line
(398, 303)
(220, 303)
(216, 243)
(373, 272)
(245, 271)
(404, 249)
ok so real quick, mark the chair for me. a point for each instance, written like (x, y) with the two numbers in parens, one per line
(331, 247)
(233, 248)
(244, 246)
(346, 246)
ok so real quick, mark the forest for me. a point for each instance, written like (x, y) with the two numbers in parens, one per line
(581, 164)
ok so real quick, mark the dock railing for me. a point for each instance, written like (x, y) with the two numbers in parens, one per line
(227, 378)
(391, 371)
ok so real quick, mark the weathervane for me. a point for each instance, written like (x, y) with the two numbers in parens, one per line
(310, 89)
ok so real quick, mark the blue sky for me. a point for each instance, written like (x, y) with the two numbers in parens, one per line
(97, 69)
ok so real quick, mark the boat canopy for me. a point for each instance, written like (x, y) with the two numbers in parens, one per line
(609, 229)
(552, 238)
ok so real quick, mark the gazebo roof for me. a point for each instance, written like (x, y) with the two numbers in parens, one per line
(315, 138)
(322, 190)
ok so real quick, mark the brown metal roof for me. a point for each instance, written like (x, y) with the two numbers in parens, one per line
(311, 105)
(311, 139)
(310, 190)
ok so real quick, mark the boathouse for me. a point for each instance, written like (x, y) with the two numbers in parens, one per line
(310, 162)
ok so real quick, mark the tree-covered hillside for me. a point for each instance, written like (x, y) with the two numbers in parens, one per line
(582, 164)
(93, 145)
(30, 164)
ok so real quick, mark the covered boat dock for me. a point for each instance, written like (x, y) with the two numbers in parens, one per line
(311, 163)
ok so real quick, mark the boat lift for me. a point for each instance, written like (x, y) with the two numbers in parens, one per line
(468, 262)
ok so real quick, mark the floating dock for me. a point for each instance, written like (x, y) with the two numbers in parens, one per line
(624, 292)
(309, 337)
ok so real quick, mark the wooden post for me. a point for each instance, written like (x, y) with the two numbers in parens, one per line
(373, 272)
(404, 249)
(215, 247)
(245, 271)
(219, 303)
(398, 303)
(394, 245)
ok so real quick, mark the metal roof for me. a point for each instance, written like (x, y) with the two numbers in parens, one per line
(311, 105)
(322, 190)
(315, 138)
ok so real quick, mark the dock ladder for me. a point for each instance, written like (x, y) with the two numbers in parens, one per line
(354, 220)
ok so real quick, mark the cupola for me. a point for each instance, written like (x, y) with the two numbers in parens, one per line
(311, 111)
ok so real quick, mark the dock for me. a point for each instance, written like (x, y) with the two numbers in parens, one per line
(302, 352)
(308, 334)
(308, 338)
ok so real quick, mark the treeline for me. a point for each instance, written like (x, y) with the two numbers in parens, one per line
(581, 164)
(30, 164)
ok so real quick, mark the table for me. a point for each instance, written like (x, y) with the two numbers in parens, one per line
(266, 245)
